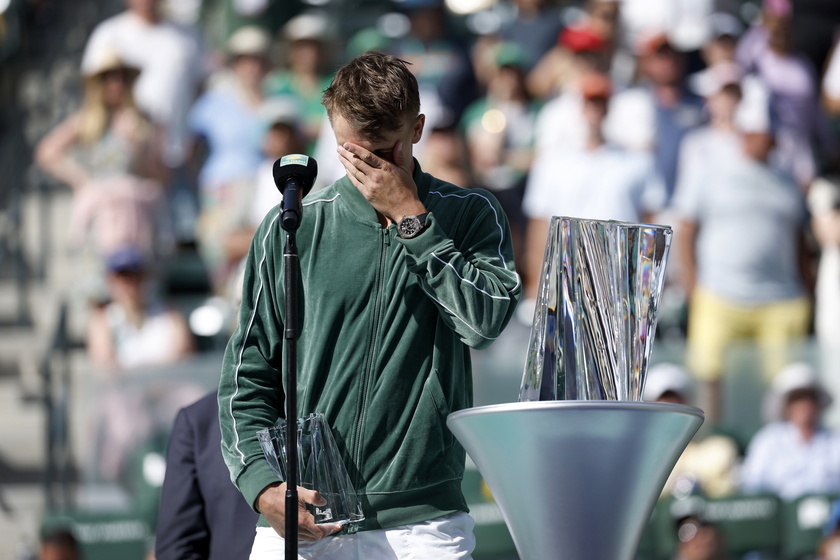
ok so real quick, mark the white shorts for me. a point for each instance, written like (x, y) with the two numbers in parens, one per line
(445, 538)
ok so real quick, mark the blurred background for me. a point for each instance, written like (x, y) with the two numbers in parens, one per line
(136, 144)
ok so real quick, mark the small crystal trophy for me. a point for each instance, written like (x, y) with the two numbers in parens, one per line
(320, 468)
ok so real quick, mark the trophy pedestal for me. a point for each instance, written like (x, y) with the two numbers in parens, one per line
(576, 480)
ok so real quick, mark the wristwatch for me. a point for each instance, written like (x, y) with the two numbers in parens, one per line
(411, 226)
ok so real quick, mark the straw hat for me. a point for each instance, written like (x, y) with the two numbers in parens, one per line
(249, 41)
(667, 377)
(306, 26)
(793, 377)
(106, 61)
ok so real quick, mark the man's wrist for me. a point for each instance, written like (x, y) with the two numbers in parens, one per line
(264, 494)
(411, 226)
(414, 210)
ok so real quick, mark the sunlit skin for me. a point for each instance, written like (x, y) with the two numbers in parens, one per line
(721, 106)
(757, 145)
(148, 10)
(705, 544)
(382, 169)
(803, 411)
(114, 88)
(249, 69)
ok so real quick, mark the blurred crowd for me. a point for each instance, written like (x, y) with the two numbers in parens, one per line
(708, 116)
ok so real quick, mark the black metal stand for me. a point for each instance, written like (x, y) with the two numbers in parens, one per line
(291, 266)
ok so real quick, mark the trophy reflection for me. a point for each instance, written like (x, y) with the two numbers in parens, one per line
(577, 465)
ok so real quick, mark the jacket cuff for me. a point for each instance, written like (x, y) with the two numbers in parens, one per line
(254, 479)
(422, 246)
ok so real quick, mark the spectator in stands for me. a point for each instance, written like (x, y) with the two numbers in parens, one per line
(534, 26)
(283, 136)
(108, 153)
(127, 339)
(59, 544)
(720, 87)
(708, 464)
(597, 181)
(767, 49)
(305, 71)
(741, 247)
(656, 115)
(794, 454)
(173, 66)
(227, 117)
(560, 123)
(440, 60)
(499, 134)
(135, 330)
(171, 58)
(202, 515)
(699, 539)
(595, 38)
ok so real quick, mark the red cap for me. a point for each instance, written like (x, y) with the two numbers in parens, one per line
(581, 39)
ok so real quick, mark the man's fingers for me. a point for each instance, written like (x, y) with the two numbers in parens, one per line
(317, 532)
(311, 497)
(361, 156)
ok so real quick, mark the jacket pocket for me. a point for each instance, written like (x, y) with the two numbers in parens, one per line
(421, 452)
(434, 390)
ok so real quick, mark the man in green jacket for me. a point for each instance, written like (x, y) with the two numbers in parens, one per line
(401, 274)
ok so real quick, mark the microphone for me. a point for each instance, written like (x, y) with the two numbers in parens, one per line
(293, 175)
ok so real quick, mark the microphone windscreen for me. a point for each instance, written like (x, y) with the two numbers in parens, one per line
(295, 166)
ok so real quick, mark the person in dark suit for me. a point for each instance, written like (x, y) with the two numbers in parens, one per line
(202, 515)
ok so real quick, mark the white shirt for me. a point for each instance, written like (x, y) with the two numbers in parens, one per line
(607, 183)
(171, 64)
(266, 193)
(147, 345)
(701, 147)
(560, 124)
(778, 460)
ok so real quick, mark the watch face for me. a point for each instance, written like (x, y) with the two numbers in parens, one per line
(409, 227)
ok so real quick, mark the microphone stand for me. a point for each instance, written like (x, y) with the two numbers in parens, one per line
(291, 264)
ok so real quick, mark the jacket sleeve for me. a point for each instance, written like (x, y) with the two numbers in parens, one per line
(472, 280)
(250, 389)
(182, 532)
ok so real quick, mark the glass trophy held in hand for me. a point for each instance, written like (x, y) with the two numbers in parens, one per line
(320, 468)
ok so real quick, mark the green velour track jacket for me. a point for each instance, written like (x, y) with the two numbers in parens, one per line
(386, 325)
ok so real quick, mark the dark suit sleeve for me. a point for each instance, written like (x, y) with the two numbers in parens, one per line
(182, 531)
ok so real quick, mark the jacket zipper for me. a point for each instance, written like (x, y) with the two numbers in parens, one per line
(370, 357)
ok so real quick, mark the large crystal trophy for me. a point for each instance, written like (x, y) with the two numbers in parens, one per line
(577, 465)
(320, 468)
